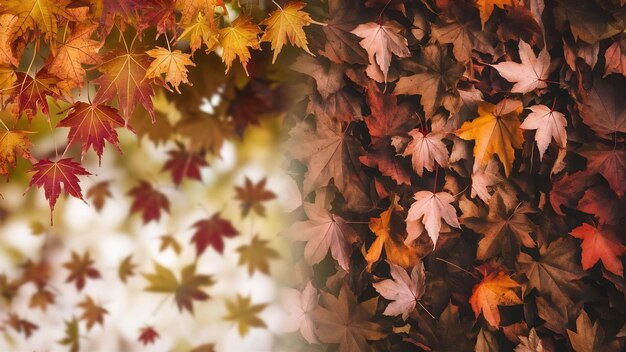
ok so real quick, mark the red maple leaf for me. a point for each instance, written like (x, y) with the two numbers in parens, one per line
(149, 201)
(50, 174)
(600, 243)
(147, 335)
(211, 232)
(32, 93)
(182, 163)
(81, 269)
(92, 124)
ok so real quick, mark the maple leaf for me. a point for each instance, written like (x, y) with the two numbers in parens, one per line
(91, 125)
(210, 232)
(327, 75)
(126, 268)
(171, 63)
(72, 335)
(299, 306)
(404, 290)
(286, 23)
(123, 73)
(92, 312)
(387, 228)
(168, 241)
(381, 41)
(329, 153)
(532, 343)
(602, 107)
(486, 7)
(444, 334)
(505, 229)
(185, 291)
(237, 40)
(465, 38)
(147, 335)
(182, 163)
(601, 202)
(615, 57)
(530, 74)
(587, 338)
(243, 313)
(7, 31)
(432, 208)
(37, 14)
(435, 81)
(323, 231)
(41, 299)
(554, 272)
(34, 91)
(155, 13)
(550, 124)
(341, 46)
(13, 144)
(495, 289)
(252, 196)
(343, 321)
(50, 174)
(99, 193)
(425, 149)
(611, 164)
(74, 52)
(81, 269)
(149, 201)
(199, 32)
(256, 255)
(600, 243)
(191, 8)
(21, 325)
(496, 131)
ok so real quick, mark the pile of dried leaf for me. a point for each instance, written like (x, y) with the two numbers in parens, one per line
(462, 165)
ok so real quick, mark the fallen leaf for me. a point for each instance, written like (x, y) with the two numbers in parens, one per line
(299, 306)
(381, 41)
(530, 74)
(496, 131)
(432, 208)
(495, 289)
(252, 197)
(425, 149)
(600, 243)
(550, 124)
(92, 312)
(403, 290)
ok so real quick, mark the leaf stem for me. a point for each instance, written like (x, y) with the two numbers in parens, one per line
(456, 266)
(426, 310)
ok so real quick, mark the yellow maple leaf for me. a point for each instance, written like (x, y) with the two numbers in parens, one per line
(7, 30)
(190, 8)
(12, 144)
(7, 83)
(287, 23)
(238, 39)
(77, 50)
(171, 63)
(496, 130)
(37, 14)
(199, 32)
(496, 289)
(395, 250)
(486, 7)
